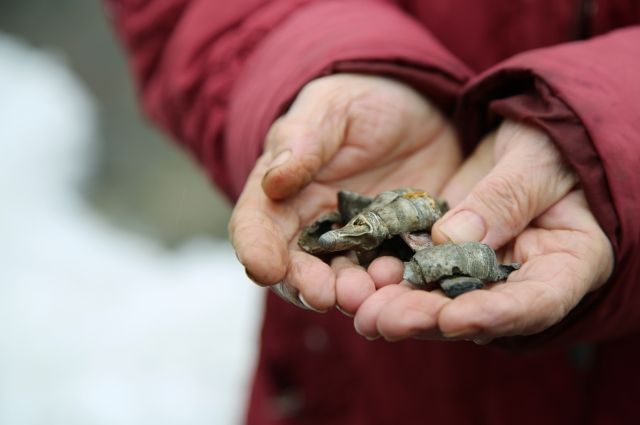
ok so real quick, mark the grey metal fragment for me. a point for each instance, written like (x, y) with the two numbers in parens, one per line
(472, 259)
(398, 222)
(351, 203)
(310, 235)
(391, 213)
(455, 286)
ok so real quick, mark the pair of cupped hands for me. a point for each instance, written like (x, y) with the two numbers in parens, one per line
(369, 134)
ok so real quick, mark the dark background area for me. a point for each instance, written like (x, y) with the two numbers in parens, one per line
(142, 181)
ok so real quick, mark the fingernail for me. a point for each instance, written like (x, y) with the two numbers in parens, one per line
(343, 311)
(464, 226)
(307, 305)
(368, 338)
(461, 334)
(280, 159)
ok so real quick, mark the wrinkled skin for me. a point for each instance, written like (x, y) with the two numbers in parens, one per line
(517, 193)
(361, 133)
(370, 134)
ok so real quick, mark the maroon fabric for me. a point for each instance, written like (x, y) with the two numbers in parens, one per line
(216, 74)
(586, 96)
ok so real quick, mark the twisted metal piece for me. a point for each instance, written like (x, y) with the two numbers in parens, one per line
(459, 267)
(290, 294)
(391, 213)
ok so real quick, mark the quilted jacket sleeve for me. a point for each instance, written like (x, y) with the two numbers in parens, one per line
(215, 74)
(586, 96)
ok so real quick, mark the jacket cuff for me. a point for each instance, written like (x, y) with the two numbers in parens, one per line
(323, 38)
(584, 96)
(536, 105)
(524, 95)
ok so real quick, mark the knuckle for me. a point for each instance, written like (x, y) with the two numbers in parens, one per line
(274, 134)
(602, 253)
(309, 166)
(286, 130)
(321, 90)
(506, 198)
(322, 85)
(330, 95)
(552, 307)
(238, 224)
(315, 87)
(507, 314)
(516, 315)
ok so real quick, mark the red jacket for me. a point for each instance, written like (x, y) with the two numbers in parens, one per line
(216, 74)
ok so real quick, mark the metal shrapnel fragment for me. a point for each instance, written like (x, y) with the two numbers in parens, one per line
(398, 223)
(308, 239)
(467, 259)
(391, 213)
(351, 203)
(452, 287)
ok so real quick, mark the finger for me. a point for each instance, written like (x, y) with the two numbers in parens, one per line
(365, 321)
(259, 230)
(471, 172)
(353, 285)
(314, 279)
(290, 294)
(303, 140)
(260, 246)
(533, 299)
(529, 176)
(412, 313)
(385, 271)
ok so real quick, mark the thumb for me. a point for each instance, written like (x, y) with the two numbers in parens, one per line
(302, 141)
(528, 177)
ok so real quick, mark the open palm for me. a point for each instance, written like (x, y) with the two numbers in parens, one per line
(564, 255)
(361, 133)
(515, 193)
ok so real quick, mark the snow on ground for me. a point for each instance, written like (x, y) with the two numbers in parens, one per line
(99, 326)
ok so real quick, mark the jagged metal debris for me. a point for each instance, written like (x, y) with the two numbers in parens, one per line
(389, 214)
(456, 261)
(401, 219)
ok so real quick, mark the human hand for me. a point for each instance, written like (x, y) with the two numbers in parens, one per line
(362, 133)
(515, 192)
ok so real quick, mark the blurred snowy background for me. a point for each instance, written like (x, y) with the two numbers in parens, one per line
(120, 300)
